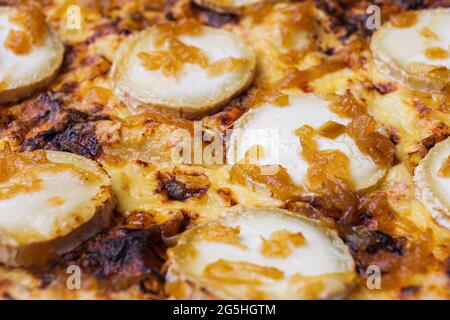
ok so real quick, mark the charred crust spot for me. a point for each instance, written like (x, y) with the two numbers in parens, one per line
(408, 292)
(394, 136)
(409, 4)
(182, 186)
(211, 18)
(439, 4)
(127, 253)
(359, 239)
(448, 267)
(385, 88)
(440, 133)
(45, 279)
(383, 241)
(227, 195)
(73, 131)
(179, 9)
(7, 296)
(105, 29)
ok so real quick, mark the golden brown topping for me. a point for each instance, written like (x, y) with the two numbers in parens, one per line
(268, 95)
(19, 42)
(280, 242)
(225, 65)
(220, 233)
(170, 30)
(347, 106)
(328, 171)
(32, 20)
(331, 129)
(436, 53)
(427, 33)
(238, 272)
(275, 178)
(99, 95)
(376, 145)
(171, 61)
(295, 18)
(404, 19)
(440, 74)
(362, 129)
(444, 171)
(301, 78)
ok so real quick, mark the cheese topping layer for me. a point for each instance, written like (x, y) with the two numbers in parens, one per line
(433, 183)
(273, 128)
(243, 269)
(417, 52)
(22, 69)
(195, 87)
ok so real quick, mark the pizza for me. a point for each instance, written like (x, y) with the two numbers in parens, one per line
(224, 149)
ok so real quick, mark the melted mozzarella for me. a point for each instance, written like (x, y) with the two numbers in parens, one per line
(194, 89)
(273, 128)
(322, 258)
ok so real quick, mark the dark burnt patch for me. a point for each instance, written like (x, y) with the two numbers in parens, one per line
(183, 186)
(439, 4)
(71, 131)
(447, 267)
(78, 138)
(440, 133)
(181, 9)
(371, 241)
(408, 292)
(409, 4)
(104, 29)
(212, 18)
(385, 88)
(127, 254)
(45, 123)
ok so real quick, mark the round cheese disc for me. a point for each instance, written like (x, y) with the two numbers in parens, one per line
(432, 180)
(414, 48)
(25, 66)
(260, 254)
(50, 202)
(273, 129)
(193, 70)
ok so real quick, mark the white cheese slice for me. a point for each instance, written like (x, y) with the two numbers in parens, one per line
(67, 208)
(273, 128)
(432, 188)
(402, 52)
(21, 74)
(194, 91)
(321, 261)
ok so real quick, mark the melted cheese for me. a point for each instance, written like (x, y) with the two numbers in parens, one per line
(411, 54)
(322, 254)
(45, 213)
(433, 188)
(273, 128)
(26, 70)
(63, 201)
(194, 90)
